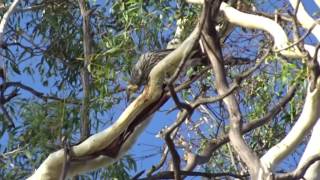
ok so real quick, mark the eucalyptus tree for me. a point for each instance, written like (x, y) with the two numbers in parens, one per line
(242, 78)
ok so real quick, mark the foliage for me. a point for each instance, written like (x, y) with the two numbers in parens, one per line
(44, 51)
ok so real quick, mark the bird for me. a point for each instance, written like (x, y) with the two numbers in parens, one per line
(140, 71)
(139, 74)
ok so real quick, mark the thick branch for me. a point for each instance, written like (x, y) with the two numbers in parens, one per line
(300, 171)
(317, 2)
(212, 48)
(306, 121)
(304, 19)
(110, 144)
(311, 150)
(247, 20)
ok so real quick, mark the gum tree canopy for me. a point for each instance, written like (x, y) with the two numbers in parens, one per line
(237, 96)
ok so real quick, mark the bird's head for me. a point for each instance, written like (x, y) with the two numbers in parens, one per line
(131, 88)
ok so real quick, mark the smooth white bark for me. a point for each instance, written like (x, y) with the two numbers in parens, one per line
(52, 165)
(176, 40)
(305, 20)
(247, 20)
(313, 148)
(317, 3)
(51, 168)
(308, 116)
(5, 18)
(305, 122)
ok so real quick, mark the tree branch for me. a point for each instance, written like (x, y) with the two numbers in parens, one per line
(214, 144)
(212, 47)
(5, 19)
(161, 162)
(85, 75)
(41, 95)
(170, 175)
(304, 19)
(299, 172)
(303, 125)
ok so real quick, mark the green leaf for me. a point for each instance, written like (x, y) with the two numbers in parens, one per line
(28, 154)
(15, 68)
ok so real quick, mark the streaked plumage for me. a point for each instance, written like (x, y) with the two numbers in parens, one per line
(141, 70)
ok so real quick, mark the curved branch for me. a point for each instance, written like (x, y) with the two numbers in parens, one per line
(5, 19)
(212, 48)
(110, 144)
(317, 2)
(247, 20)
(306, 121)
(312, 150)
(304, 19)
(301, 170)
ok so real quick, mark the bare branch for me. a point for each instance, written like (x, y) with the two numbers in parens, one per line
(174, 154)
(189, 110)
(85, 75)
(301, 38)
(304, 18)
(213, 49)
(67, 158)
(299, 173)
(161, 162)
(170, 175)
(41, 95)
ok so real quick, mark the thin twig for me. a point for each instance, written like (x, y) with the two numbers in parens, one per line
(161, 162)
(301, 38)
(13, 152)
(41, 95)
(137, 175)
(187, 83)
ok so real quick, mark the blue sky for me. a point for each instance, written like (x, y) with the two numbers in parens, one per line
(147, 144)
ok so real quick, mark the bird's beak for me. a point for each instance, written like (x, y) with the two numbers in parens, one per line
(130, 90)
